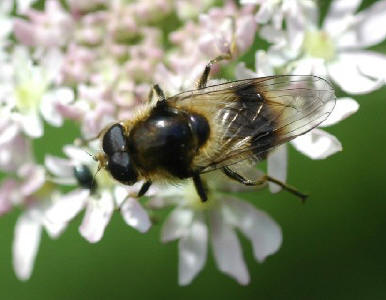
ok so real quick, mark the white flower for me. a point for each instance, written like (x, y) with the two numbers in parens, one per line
(317, 144)
(32, 95)
(28, 231)
(100, 203)
(278, 10)
(225, 214)
(32, 192)
(49, 28)
(337, 49)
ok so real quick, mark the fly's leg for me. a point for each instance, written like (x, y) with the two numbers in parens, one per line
(235, 176)
(239, 178)
(158, 91)
(200, 187)
(142, 191)
(232, 50)
(144, 188)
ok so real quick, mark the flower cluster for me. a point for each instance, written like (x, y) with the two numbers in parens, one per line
(92, 62)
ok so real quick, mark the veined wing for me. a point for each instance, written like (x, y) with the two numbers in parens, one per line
(250, 117)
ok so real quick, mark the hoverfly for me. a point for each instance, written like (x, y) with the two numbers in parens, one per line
(214, 127)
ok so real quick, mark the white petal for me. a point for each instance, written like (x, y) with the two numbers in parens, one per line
(307, 12)
(50, 103)
(296, 30)
(317, 144)
(192, 251)
(24, 5)
(65, 95)
(159, 202)
(352, 72)
(265, 12)
(273, 35)
(6, 6)
(277, 167)
(310, 66)
(264, 233)
(65, 207)
(227, 250)
(8, 195)
(32, 124)
(121, 192)
(8, 132)
(54, 229)
(134, 215)
(344, 108)
(262, 64)
(53, 62)
(242, 72)
(368, 28)
(49, 112)
(177, 224)
(98, 214)
(343, 7)
(34, 178)
(340, 14)
(58, 166)
(371, 64)
(25, 245)
(77, 154)
(16, 153)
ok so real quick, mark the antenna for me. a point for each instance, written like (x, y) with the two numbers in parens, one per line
(94, 177)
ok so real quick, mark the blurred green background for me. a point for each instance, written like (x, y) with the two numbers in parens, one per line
(334, 246)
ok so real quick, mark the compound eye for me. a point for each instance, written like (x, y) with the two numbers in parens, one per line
(114, 140)
(121, 168)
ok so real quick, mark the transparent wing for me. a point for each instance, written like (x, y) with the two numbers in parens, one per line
(250, 117)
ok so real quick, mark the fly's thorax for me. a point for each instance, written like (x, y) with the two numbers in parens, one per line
(167, 140)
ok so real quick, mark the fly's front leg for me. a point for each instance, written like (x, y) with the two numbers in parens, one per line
(158, 91)
(142, 191)
(144, 188)
(235, 176)
(232, 50)
(200, 187)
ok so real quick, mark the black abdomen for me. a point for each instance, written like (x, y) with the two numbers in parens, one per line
(168, 140)
(262, 120)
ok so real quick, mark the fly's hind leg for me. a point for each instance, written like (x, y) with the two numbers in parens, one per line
(232, 50)
(159, 93)
(235, 176)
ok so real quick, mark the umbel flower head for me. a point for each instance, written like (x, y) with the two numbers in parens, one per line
(93, 63)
